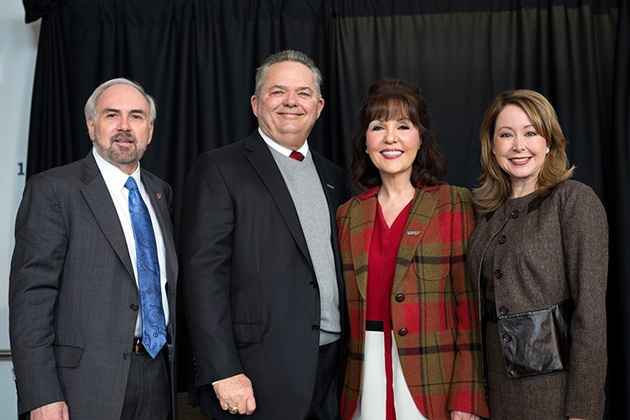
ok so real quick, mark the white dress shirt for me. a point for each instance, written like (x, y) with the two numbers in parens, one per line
(281, 149)
(115, 180)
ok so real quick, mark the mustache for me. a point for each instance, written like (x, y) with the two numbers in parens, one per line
(123, 136)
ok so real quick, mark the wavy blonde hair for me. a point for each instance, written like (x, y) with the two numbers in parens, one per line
(494, 183)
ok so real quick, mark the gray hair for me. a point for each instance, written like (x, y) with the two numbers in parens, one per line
(90, 105)
(287, 55)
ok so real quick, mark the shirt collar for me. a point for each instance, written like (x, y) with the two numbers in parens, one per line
(281, 149)
(114, 178)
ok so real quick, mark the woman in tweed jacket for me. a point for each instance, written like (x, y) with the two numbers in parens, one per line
(414, 350)
(539, 257)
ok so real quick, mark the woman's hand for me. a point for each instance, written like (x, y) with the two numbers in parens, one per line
(460, 415)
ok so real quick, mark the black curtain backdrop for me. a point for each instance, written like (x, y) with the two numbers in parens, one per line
(198, 58)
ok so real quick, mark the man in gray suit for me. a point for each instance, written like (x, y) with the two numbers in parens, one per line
(81, 341)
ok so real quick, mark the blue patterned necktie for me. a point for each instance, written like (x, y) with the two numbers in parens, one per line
(153, 324)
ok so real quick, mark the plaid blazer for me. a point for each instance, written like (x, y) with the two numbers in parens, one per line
(434, 312)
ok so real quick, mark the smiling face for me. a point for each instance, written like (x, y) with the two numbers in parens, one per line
(288, 104)
(519, 150)
(121, 130)
(393, 146)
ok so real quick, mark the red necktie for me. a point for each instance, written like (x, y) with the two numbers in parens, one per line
(297, 156)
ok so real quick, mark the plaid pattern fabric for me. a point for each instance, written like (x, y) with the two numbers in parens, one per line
(432, 299)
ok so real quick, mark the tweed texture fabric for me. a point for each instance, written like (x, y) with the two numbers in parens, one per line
(548, 249)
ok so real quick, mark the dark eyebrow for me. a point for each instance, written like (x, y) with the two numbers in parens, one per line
(133, 111)
(528, 126)
(286, 88)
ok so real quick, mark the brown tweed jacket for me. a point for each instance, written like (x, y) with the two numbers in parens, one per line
(434, 313)
(557, 249)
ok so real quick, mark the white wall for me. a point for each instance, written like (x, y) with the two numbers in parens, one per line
(18, 47)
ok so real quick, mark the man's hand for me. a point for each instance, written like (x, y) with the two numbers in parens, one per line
(460, 415)
(236, 392)
(54, 411)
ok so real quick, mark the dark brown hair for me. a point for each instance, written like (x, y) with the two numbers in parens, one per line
(389, 99)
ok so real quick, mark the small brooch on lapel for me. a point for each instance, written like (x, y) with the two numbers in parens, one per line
(413, 232)
(159, 196)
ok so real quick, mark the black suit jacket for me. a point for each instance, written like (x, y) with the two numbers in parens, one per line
(250, 290)
(73, 297)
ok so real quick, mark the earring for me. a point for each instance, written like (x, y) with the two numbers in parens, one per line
(366, 151)
(547, 150)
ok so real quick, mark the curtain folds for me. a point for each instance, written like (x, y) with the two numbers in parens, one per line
(617, 202)
(198, 59)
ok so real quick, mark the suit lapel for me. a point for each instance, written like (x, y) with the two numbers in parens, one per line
(362, 218)
(259, 156)
(420, 214)
(162, 212)
(335, 196)
(328, 185)
(161, 207)
(100, 202)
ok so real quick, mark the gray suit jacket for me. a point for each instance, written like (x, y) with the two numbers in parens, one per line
(73, 297)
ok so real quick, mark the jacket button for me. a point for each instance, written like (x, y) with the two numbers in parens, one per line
(514, 214)
(314, 284)
(315, 328)
(127, 356)
(133, 307)
(506, 337)
(503, 310)
(400, 297)
(403, 331)
(502, 239)
(498, 274)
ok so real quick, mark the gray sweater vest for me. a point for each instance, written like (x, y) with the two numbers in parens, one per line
(311, 205)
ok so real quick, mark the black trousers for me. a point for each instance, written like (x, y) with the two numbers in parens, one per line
(147, 396)
(325, 402)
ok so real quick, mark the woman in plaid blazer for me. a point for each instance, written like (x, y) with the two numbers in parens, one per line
(414, 350)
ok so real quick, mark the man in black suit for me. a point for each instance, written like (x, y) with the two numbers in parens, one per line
(76, 313)
(261, 276)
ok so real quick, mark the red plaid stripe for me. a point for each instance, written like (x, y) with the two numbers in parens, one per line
(441, 352)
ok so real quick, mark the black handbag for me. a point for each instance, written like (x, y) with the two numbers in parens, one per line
(537, 342)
